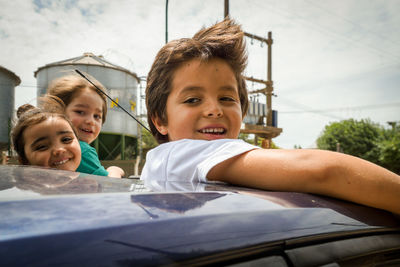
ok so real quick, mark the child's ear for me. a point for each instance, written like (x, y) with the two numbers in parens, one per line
(161, 127)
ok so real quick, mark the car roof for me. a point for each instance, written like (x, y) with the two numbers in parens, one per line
(40, 205)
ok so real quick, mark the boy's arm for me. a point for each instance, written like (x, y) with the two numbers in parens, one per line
(313, 171)
(116, 172)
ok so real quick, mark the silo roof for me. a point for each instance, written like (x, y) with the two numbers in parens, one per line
(12, 74)
(87, 59)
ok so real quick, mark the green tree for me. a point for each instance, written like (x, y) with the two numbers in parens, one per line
(250, 139)
(364, 139)
(245, 137)
(389, 148)
(357, 138)
(274, 146)
(148, 140)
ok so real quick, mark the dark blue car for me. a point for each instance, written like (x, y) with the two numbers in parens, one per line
(58, 218)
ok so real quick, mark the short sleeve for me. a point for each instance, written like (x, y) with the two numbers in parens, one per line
(190, 160)
(90, 162)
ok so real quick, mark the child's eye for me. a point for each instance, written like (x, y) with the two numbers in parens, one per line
(192, 100)
(40, 148)
(80, 112)
(97, 117)
(67, 139)
(228, 98)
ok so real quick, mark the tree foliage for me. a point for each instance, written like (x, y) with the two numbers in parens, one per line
(250, 139)
(357, 138)
(364, 139)
(389, 147)
(148, 140)
(246, 137)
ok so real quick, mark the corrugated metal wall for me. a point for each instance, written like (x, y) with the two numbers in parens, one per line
(120, 85)
(8, 81)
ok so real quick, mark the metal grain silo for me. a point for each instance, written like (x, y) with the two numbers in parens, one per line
(119, 133)
(8, 81)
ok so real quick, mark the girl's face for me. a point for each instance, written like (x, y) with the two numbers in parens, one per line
(52, 143)
(204, 102)
(85, 112)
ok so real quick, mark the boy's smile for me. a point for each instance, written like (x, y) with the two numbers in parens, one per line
(204, 102)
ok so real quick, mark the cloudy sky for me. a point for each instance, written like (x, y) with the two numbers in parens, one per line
(332, 60)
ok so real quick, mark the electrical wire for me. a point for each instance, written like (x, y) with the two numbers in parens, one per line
(101, 91)
(326, 31)
(375, 106)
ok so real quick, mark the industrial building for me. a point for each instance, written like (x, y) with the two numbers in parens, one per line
(8, 81)
(119, 135)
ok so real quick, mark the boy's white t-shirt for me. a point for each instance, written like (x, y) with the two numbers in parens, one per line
(189, 160)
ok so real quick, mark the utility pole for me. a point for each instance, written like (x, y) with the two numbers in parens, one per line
(270, 87)
(393, 124)
(269, 131)
(265, 131)
(166, 21)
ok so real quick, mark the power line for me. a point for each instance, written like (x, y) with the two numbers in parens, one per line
(21, 85)
(108, 88)
(350, 77)
(330, 31)
(352, 22)
(375, 106)
(306, 109)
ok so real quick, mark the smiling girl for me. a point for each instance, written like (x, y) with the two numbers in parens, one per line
(87, 110)
(45, 137)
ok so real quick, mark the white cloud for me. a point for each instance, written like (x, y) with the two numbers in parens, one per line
(326, 54)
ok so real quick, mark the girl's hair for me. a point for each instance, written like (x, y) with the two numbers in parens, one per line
(224, 40)
(69, 86)
(28, 115)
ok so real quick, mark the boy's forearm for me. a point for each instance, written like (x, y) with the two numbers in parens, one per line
(313, 171)
(364, 182)
(280, 170)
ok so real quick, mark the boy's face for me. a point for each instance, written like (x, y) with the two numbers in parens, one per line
(85, 112)
(203, 103)
(52, 143)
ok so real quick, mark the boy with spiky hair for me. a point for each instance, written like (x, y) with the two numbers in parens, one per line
(223, 40)
(196, 98)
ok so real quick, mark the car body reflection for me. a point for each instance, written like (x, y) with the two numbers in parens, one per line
(52, 217)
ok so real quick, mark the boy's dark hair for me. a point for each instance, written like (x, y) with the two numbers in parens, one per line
(223, 40)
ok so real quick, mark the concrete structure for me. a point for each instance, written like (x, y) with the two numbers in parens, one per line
(266, 125)
(119, 133)
(8, 82)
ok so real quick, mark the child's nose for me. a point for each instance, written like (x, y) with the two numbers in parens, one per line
(89, 119)
(58, 150)
(213, 110)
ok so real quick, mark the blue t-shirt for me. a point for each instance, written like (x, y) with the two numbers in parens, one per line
(90, 162)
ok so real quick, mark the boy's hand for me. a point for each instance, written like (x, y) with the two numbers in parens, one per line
(116, 172)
